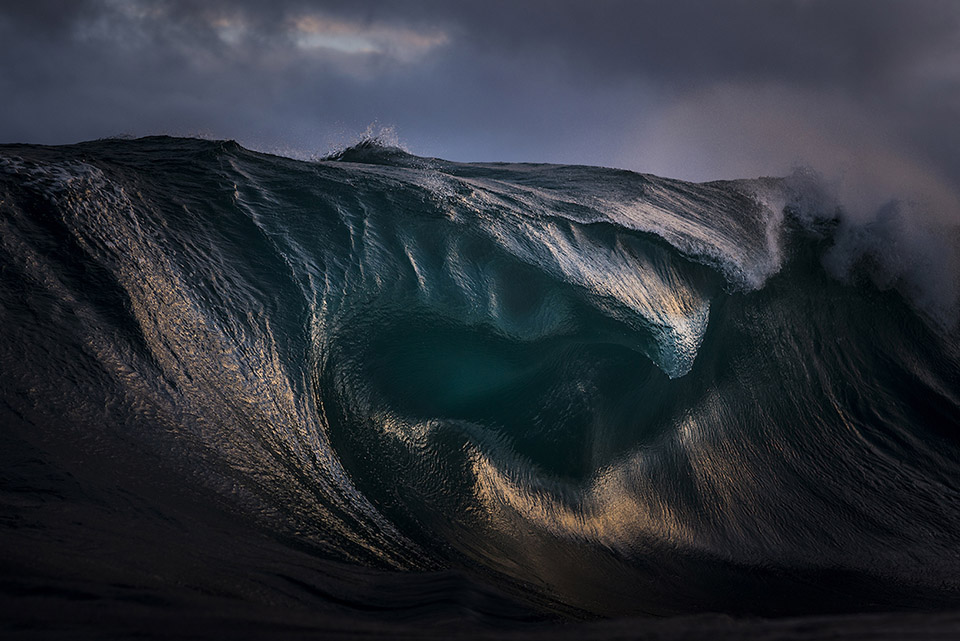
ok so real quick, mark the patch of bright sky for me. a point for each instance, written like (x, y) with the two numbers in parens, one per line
(319, 32)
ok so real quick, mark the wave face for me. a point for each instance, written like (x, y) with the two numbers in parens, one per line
(589, 391)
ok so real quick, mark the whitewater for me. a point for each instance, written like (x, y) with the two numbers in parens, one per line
(383, 394)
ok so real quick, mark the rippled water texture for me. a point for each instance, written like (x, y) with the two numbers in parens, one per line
(392, 391)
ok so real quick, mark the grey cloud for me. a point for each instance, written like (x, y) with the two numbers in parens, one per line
(697, 90)
(677, 42)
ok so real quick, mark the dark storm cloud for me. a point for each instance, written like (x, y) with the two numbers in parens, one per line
(698, 90)
(678, 42)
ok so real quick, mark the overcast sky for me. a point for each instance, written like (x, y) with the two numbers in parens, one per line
(684, 88)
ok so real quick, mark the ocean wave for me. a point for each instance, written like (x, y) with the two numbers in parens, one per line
(601, 392)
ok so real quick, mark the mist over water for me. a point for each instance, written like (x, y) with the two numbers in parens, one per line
(394, 390)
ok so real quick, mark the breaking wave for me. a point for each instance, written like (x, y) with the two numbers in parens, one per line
(591, 391)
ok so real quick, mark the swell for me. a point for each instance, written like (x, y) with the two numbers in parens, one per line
(602, 392)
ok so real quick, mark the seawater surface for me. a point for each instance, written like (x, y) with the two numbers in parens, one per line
(383, 394)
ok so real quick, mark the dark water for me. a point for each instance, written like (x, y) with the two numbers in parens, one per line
(381, 394)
